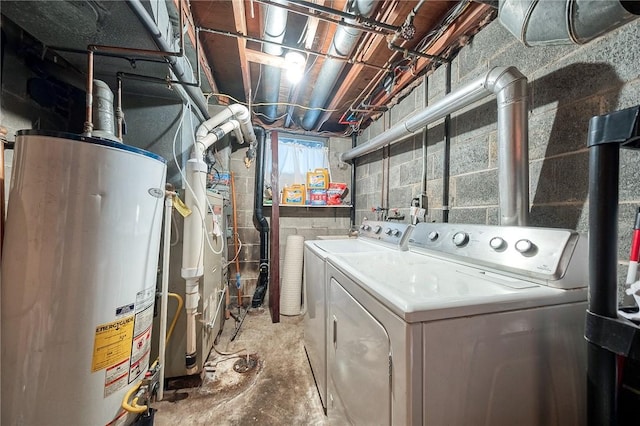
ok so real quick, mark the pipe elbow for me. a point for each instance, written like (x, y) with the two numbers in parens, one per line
(241, 112)
(500, 78)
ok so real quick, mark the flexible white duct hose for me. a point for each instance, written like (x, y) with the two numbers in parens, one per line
(291, 288)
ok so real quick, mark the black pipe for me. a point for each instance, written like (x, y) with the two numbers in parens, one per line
(354, 143)
(261, 221)
(447, 150)
(603, 229)
(607, 133)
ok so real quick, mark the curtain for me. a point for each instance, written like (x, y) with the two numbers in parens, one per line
(296, 157)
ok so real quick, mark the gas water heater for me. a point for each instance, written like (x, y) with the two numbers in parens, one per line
(79, 275)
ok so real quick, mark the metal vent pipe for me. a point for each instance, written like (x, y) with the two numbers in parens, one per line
(275, 26)
(343, 43)
(536, 22)
(510, 88)
(179, 65)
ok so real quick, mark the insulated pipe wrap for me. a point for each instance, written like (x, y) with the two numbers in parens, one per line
(291, 291)
(275, 26)
(342, 45)
(536, 22)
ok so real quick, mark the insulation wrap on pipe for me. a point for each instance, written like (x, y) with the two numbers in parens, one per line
(536, 22)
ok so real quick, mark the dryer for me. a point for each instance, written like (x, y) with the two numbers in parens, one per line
(373, 237)
(473, 325)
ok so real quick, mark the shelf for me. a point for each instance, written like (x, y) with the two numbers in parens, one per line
(313, 206)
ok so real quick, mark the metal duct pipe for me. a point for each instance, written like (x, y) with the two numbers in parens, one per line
(536, 22)
(103, 115)
(342, 45)
(176, 64)
(274, 28)
(510, 88)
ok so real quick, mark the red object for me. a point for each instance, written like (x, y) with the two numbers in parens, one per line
(335, 193)
(635, 246)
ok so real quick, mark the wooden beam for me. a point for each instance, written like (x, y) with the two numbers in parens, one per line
(274, 255)
(462, 26)
(241, 27)
(312, 28)
(191, 32)
(370, 44)
(264, 58)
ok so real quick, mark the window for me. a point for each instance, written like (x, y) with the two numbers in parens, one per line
(296, 157)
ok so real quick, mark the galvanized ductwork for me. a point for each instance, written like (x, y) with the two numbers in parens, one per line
(275, 26)
(342, 46)
(510, 88)
(536, 22)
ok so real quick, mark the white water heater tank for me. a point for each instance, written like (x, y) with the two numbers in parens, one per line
(79, 272)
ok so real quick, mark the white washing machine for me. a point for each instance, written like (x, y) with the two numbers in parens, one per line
(473, 325)
(373, 237)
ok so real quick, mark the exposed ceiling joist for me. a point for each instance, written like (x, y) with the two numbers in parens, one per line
(476, 14)
(259, 57)
(241, 27)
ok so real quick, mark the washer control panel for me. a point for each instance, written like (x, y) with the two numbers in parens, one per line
(391, 233)
(542, 253)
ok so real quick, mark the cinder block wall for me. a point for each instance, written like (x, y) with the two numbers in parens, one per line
(309, 222)
(567, 86)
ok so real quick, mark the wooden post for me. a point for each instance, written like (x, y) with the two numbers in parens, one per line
(3, 137)
(274, 268)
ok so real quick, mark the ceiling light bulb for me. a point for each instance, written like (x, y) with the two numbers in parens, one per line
(294, 63)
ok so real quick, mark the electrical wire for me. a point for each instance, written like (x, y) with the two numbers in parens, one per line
(273, 103)
(209, 206)
(184, 177)
(174, 226)
(237, 251)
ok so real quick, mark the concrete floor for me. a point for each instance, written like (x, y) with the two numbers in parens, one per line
(280, 390)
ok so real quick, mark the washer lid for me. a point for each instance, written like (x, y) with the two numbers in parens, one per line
(323, 248)
(422, 288)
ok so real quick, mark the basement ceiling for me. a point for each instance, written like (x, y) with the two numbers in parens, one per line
(395, 43)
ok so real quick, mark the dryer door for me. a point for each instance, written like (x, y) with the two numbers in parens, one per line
(359, 363)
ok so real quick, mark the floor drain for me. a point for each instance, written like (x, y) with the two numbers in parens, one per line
(245, 364)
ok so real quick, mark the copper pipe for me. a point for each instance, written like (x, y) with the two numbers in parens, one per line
(297, 49)
(88, 125)
(370, 25)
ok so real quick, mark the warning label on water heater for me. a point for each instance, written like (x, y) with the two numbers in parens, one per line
(112, 343)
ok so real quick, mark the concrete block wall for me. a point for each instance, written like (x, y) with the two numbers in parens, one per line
(567, 86)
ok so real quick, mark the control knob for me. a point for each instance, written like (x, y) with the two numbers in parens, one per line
(460, 239)
(524, 246)
(433, 235)
(377, 229)
(396, 233)
(387, 231)
(497, 243)
(366, 227)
